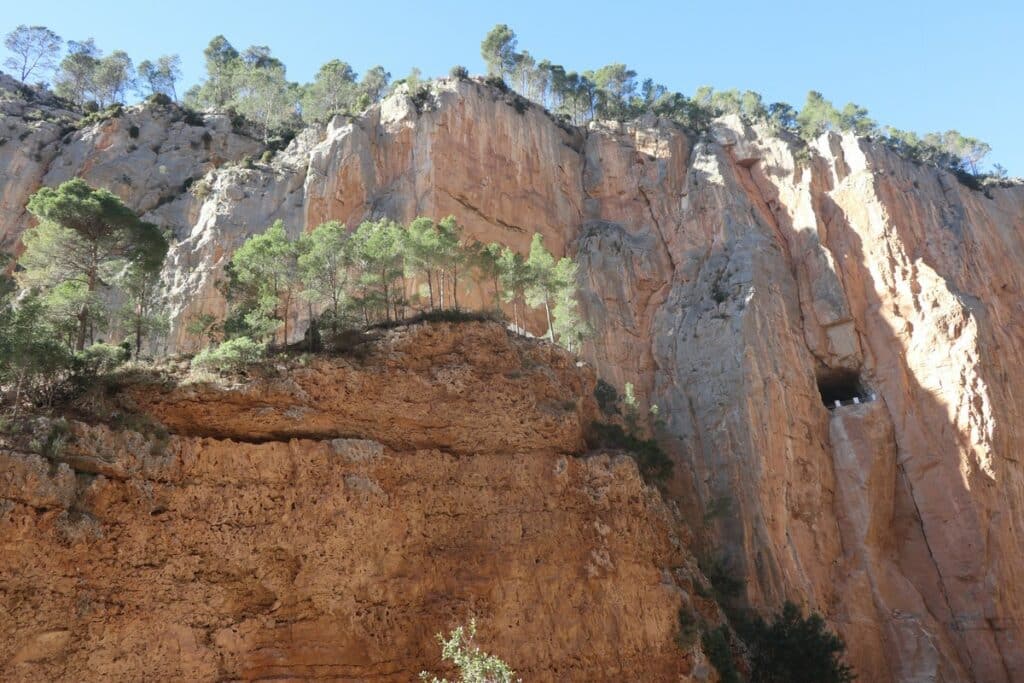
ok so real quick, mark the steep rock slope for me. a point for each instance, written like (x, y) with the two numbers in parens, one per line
(726, 277)
(339, 558)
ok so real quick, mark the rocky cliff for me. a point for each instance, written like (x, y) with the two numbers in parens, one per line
(260, 541)
(736, 279)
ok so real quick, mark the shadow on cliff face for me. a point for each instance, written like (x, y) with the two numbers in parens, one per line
(925, 594)
(942, 573)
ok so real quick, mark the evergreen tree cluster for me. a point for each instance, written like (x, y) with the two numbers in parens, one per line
(384, 272)
(252, 84)
(615, 92)
(90, 267)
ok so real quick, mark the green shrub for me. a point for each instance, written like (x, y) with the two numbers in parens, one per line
(474, 665)
(193, 118)
(58, 436)
(689, 629)
(202, 188)
(97, 116)
(497, 82)
(607, 398)
(420, 96)
(160, 99)
(459, 71)
(723, 581)
(716, 647)
(440, 315)
(793, 649)
(655, 466)
(267, 156)
(233, 355)
(99, 359)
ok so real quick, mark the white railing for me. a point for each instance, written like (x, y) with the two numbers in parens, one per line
(856, 400)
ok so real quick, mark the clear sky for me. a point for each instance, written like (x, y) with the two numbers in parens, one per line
(916, 65)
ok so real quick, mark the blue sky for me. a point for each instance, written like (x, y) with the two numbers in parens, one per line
(916, 65)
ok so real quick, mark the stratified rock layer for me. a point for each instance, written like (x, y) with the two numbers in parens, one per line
(341, 558)
(723, 276)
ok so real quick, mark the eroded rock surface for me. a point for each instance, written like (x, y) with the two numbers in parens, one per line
(340, 558)
(723, 276)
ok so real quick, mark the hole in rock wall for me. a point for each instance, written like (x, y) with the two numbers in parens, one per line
(843, 386)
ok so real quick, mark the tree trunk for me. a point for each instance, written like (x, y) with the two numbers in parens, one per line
(430, 288)
(138, 333)
(285, 345)
(455, 287)
(547, 312)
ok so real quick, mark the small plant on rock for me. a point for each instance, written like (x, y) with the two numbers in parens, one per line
(474, 665)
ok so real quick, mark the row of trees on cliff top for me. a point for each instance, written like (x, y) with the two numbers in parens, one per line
(616, 92)
(385, 272)
(253, 84)
(91, 269)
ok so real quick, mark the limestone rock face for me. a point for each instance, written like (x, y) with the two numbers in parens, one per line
(340, 558)
(726, 276)
(149, 156)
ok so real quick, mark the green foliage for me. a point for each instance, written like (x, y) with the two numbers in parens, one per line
(99, 359)
(552, 285)
(514, 277)
(459, 71)
(724, 583)
(689, 629)
(142, 309)
(267, 281)
(33, 49)
(654, 465)
(498, 50)
(474, 665)
(159, 99)
(949, 150)
(203, 325)
(324, 263)
(158, 79)
(76, 76)
(363, 277)
(333, 91)
(374, 84)
(607, 398)
(234, 355)
(113, 77)
(34, 365)
(441, 315)
(85, 238)
(794, 649)
(378, 256)
(716, 646)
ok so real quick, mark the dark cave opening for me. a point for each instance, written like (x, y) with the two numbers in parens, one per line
(841, 385)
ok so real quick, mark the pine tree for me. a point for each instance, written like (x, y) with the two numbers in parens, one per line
(85, 237)
(543, 283)
(514, 278)
(266, 267)
(324, 264)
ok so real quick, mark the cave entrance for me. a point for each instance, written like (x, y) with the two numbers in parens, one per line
(843, 386)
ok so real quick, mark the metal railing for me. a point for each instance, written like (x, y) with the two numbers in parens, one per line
(856, 400)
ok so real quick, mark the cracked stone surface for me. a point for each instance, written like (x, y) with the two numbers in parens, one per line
(209, 558)
(722, 275)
